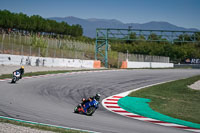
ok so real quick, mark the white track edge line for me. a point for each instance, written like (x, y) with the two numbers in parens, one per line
(37, 123)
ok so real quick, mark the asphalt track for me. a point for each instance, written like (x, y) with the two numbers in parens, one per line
(51, 100)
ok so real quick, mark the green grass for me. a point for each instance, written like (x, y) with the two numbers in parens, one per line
(174, 99)
(47, 72)
(41, 127)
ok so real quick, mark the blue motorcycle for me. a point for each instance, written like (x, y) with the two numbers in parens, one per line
(88, 108)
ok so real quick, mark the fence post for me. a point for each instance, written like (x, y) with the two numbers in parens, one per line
(75, 54)
(83, 56)
(20, 38)
(22, 50)
(48, 41)
(54, 52)
(2, 49)
(46, 52)
(12, 49)
(13, 43)
(127, 55)
(117, 59)
(61, 53)
(56, 43)
(25, 39)
(38, 51)
(8, 38)
(30, 52)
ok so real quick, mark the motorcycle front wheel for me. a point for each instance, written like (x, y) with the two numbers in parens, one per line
(14, 80)
(90, 111)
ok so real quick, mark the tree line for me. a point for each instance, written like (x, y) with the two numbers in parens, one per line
(178, 51)
(35, 24)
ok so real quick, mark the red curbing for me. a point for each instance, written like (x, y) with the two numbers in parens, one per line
(4, 79)
(120, 111)
(112, 99)
(117, 97)
(183, 127)
(136, 116)
(112, 106)
(109, 103)
(155, 121)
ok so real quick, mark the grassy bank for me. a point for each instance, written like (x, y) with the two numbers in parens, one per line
(174, 99)
(41, 127)
(47, 72)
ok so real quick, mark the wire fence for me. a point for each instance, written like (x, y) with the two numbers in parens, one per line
(44, 52)
(50, 42)
(60, 48)
(143, 58)
(57, 48)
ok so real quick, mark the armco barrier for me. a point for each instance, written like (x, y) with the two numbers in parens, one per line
(161, 65)
(7, 59)
(133, 64)
(138, 64)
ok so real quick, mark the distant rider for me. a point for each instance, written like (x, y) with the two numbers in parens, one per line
(21, 71)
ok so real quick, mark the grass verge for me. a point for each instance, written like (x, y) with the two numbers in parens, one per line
(174, 99)
(41, 127)
(47, 72)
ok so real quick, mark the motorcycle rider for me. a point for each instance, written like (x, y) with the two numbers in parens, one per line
(85, 101)
(21, 71)
(97, 97)
(82, 107)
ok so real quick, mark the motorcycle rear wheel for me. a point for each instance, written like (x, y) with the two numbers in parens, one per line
(76, 109)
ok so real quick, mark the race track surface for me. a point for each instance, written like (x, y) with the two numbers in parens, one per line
(51, 100)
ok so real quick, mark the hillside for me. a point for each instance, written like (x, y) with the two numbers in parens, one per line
(89, 25)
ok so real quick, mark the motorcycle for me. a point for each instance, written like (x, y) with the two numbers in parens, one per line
(89, 107)
(15, 77)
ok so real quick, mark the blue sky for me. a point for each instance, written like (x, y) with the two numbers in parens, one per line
(184, 13)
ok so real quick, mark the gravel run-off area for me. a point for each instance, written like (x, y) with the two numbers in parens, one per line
(195, 86)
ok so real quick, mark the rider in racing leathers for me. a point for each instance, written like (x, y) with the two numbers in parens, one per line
(97, 97)
(85, 101)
